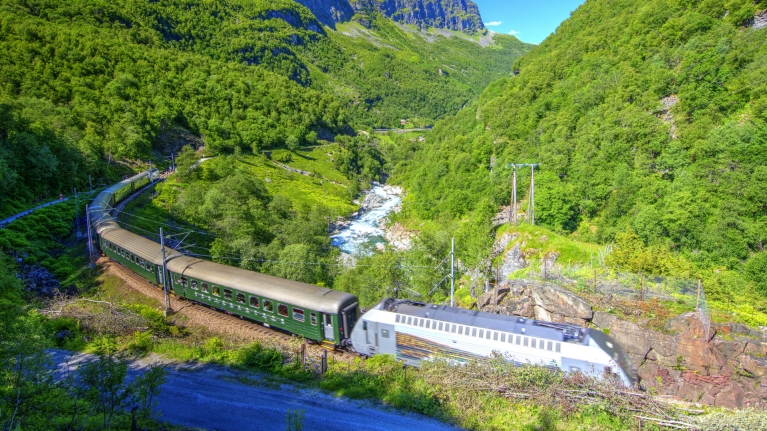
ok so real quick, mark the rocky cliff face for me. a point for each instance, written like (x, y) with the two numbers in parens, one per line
(329, 12)
(728, 369)
(459, 15)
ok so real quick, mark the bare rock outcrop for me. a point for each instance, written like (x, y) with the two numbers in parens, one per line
(687, 366)
(540, 301)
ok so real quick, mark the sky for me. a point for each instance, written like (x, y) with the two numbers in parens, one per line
(529, 20)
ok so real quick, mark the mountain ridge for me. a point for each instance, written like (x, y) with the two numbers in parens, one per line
(458, 15)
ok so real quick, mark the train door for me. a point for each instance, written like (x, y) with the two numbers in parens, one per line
(386, 340)
(327, 323)
(371, 336)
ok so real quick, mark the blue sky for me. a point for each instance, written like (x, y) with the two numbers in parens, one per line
(529, 20)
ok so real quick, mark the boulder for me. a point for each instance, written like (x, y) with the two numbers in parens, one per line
(562, 302)
(730, 349)
(603, 320)
(756, 366)
(730, 397)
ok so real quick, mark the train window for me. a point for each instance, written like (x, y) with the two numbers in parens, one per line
(396, 318)
(574, 369)
(241, 298)
(193, 284)
(122, 252)
(558, 347)
(313, 319)
(440, 326)
(204, 287)
(473, 332)
(409, 320)
(183, 281)
(216, 291)
(487, 335)
(142, 264)
(460, 330)
(228, 294)
(495, 336)
(525, 341)
(254, 302)
(428, 324)
(385, 334)
(452, 328)
(282, 310)
(519, 339)
(503, 338)
(298, 314)
(268, 306)
(549, 346)
(533, 342)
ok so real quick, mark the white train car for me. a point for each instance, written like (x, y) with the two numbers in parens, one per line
(414, 332)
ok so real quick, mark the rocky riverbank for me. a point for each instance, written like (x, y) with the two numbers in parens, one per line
(367, 225)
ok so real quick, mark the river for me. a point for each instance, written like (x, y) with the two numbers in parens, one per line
(367, 227)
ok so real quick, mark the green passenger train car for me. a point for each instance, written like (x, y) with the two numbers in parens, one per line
(314, 312)
(135, 252)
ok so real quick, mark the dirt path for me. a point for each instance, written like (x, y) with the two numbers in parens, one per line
(215, 398)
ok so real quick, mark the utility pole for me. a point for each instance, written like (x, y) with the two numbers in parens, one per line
(452, 272)
(513, 208)
(530, 201)
(532, 194)
(164, 275)
(88, 227)
(77, 216)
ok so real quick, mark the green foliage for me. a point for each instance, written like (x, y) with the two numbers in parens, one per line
(82, 84)
(644, 115)
(295, 420)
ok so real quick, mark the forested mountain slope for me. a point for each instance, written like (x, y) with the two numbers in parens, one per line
(86, 82)
(644, 114)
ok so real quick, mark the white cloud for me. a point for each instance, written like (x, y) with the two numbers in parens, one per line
(493, 23)
(514, 32)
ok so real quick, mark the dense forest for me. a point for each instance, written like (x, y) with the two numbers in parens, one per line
(646, 117)
(85, 83)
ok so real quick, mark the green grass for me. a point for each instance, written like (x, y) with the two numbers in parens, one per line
(316, 190)
(538, 241)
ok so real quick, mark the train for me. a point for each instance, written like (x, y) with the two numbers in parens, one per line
(414, 332)
(411, 331)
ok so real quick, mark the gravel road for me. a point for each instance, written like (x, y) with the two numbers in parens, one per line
(214, 398)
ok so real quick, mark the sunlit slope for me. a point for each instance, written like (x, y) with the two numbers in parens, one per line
(645, 114)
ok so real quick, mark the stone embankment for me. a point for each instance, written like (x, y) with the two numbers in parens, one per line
(726, 369)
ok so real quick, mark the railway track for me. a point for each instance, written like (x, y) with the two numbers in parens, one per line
(216, 321)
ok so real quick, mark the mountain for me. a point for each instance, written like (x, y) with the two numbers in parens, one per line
(84, 83)
(645, 115)
(458, 15)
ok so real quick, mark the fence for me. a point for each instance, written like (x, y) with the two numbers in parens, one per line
(640, 287)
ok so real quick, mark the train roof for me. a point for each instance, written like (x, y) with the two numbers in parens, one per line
(138, 245)
(482, 319)
(279, 289)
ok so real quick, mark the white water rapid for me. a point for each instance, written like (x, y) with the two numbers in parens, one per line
(367, 227)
